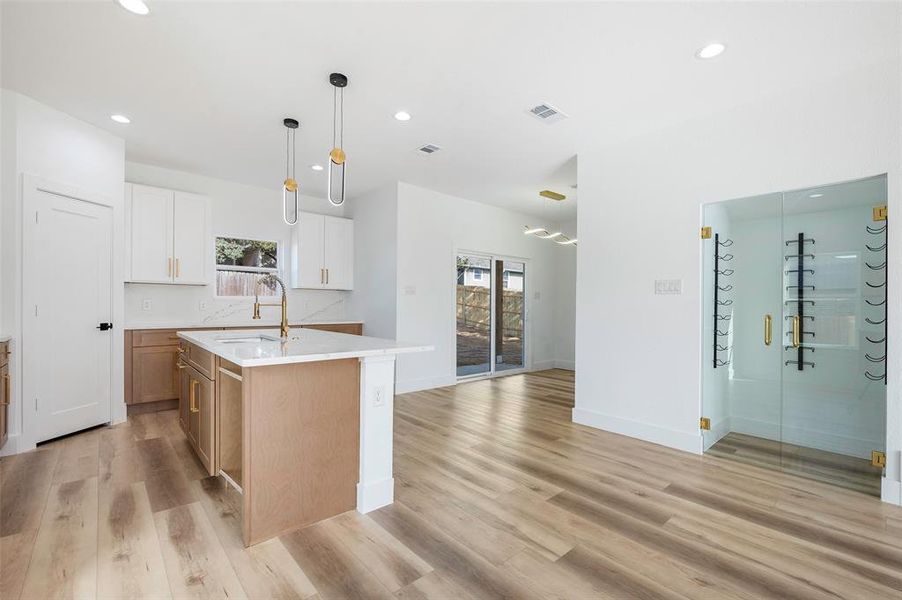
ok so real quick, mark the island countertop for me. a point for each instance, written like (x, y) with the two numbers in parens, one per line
(303, 345)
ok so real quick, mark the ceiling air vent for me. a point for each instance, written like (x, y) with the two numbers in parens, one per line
(428, 149)
(547, 113)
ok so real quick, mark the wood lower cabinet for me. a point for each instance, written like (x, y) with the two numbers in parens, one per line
(152, 373)
(5, 396)
(184, 391)
(201, 416)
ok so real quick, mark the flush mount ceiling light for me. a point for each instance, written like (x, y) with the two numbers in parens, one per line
(290, 185)
(316, 167)
(121, 119)
(815, 196)
(137, 7)
(402, 116)
(335, 189)
(711, 50)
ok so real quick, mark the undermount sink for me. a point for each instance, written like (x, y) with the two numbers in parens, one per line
(251, 339)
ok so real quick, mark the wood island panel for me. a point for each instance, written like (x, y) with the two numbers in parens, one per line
(301, 427)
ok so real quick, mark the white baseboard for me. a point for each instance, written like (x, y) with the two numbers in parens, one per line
(567, 365)
(371, 496)
(688, 442)
(891, 491)
(12, 445)
(542, 365)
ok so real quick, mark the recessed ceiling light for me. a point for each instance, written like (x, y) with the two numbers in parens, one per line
(711, 50)
(316, 167)
(121, 119)
(137, 7)
(402, 116)
(815, 195)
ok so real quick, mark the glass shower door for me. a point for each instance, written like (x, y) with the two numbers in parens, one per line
(834, 332)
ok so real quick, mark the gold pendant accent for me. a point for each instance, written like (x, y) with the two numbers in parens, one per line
(337, 156)
(291, 185)
(552, 195)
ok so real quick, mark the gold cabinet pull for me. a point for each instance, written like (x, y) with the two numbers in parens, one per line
(178, 269)
(192, 397)
(327, 276)
(5, 390)
(796, 331)
(768, 330)
(322, 275)
(169, 267)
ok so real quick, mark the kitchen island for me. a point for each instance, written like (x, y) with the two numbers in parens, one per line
(302, 426)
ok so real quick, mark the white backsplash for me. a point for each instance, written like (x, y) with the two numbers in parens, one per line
(182, 305)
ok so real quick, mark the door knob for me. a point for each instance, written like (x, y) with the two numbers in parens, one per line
(105, 326)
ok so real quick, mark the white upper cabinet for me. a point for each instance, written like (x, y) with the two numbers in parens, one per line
(168, 235)
(322, 252)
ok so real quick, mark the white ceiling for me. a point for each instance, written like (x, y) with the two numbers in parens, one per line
(208, 83)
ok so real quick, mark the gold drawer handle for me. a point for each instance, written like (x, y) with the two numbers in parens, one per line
(178, 270)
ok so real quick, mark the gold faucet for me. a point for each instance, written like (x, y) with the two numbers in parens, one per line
(283, 328)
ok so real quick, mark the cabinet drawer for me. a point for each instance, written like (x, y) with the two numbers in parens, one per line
(200, 359)
(154, 337)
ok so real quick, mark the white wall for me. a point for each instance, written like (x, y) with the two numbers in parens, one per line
(639, 219)
(46, 143)
(432, 228)
(374, 298)
(240, 211)
(565, 301)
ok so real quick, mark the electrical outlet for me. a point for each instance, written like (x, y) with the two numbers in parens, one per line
(146, 304)
(202, 305)
(379, 396)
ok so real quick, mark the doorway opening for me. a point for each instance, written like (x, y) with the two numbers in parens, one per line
(795, 332)
(491, 315)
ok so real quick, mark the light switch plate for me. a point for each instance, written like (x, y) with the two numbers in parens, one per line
(668, 286)
(379, 396)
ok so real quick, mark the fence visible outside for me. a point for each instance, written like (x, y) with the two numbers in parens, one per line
(241, 283)
(474, 318)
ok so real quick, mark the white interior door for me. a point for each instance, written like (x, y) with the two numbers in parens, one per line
(68, 294)
(190, 238)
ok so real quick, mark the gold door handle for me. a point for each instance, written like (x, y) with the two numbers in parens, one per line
(327, 276)
(178, 269)
(796, 331)
(192, 397)
(768, 330)
(169, 267)
(6, 390)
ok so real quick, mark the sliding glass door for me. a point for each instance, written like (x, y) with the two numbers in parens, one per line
(491, 314)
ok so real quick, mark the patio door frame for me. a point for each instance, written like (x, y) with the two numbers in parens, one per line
(527, 339)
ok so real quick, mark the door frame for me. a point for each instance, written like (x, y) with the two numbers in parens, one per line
(527, 320)
(29, 370)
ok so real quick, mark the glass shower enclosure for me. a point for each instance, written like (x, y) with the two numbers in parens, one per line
(795, 329)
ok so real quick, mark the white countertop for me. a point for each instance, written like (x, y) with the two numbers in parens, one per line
(5, 338)
(303, 345)
(247, 323)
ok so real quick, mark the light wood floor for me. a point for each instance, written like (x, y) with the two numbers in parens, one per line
(838, 469)
(498, 495)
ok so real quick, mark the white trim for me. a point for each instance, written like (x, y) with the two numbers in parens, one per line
(376, 494)
(890, 491)
(567, 365)
(681, 440)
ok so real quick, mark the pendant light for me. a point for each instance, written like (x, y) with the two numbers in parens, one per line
(337, 159)
(542, 233)
(290, 185)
